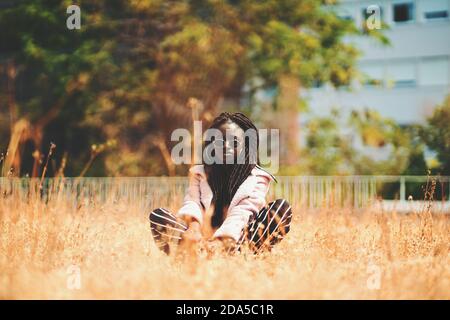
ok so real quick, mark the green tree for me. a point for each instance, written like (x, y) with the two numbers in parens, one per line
(219, 47)
(328, 149)
(47, 70)
(129, 73)
(380, 134)
(336, 146)
(436, 135)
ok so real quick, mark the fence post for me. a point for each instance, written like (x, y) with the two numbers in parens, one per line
(402, 189)
(448, 199)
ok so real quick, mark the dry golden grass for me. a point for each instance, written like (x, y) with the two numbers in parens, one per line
(329, 254)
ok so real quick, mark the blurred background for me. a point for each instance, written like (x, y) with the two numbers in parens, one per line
(348, 100)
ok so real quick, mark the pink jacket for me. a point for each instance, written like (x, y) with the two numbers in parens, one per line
(249, 199)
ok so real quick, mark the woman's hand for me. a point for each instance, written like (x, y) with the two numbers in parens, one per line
(193, 234)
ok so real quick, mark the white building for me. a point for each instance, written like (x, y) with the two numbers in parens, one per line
(409, 77)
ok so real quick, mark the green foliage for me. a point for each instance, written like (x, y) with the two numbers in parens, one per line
(336, 146)
(326, 147)
(53, 69)
(128, 73)
(436, 135)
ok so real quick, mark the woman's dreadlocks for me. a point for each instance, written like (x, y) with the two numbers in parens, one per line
(225, 179)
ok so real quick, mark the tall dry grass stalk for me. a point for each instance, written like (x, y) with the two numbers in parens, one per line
(329, 253)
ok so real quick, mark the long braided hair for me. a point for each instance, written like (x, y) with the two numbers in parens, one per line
(225, 179)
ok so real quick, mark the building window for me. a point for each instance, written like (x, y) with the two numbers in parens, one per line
(435, 9)
(345, 14)
(403, 12)
(436, 15)
(434, 71)
(317, 83)
(402, 74)
(346, 18)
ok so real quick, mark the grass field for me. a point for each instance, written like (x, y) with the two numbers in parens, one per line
(55, 251)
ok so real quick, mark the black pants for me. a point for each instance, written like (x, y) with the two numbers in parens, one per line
(263, 231)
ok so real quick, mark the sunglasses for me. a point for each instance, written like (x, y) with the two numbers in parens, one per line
(220, 143)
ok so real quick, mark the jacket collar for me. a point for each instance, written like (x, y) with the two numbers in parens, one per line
(200, 169)
(244, 190)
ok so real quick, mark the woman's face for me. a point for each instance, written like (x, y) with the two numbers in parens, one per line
(233, 140)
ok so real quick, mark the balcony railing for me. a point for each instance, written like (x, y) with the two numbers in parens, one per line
(304, 191)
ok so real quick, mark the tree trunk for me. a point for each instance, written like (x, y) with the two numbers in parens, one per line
(11, 73)
(22, 130)
(38, 133)
(287, 116)
(19, 133)
(161, 144)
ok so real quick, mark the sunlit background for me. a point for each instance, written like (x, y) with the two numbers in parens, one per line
(86, 117)
(348, 99)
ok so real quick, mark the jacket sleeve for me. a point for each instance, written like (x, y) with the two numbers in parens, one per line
(239, 215)
(192, 206)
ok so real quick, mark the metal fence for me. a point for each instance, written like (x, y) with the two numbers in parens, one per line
(305, 191)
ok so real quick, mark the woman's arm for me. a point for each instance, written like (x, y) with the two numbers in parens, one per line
(239, 215)
(192, 210)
